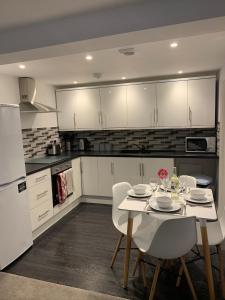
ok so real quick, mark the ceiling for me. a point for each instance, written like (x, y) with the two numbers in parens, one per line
(16, 13)
(193, 54)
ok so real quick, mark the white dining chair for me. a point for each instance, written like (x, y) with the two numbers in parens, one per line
(120, 217)
(173, 239)
(216, 235)
(188, 181)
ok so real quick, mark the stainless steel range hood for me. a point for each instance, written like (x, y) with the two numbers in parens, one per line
(28, 104)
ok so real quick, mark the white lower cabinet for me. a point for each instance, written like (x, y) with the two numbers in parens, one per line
(39, 190)
(100, 173)
(150, 167)
(77, 190)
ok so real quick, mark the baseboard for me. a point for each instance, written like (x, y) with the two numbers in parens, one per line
(96, 200)
(36, 233)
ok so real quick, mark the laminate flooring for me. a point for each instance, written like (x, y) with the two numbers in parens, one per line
(77, 252)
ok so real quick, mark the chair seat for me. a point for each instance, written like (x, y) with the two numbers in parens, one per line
(123, 227)
(215, 236)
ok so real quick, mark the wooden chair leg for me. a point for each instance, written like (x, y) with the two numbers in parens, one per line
(136, 263)
(155, 279)
(143, 272)
(116, 250)
(181, 270)
(188, 278)
(221, 269)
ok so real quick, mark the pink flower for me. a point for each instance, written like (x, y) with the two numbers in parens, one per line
(162, 173)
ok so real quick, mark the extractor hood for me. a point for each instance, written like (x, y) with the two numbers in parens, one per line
(28, 104)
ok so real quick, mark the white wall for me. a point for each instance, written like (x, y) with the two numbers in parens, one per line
(9, 93)
(222, 139)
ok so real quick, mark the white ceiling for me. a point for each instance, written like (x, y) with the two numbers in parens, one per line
(15, 13)
(193, 54)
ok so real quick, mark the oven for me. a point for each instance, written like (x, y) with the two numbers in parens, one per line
(62, 182)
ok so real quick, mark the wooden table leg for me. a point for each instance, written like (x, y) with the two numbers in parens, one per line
(208, 266)
(127, 251)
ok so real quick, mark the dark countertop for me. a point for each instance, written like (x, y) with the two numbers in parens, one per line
(34, 167)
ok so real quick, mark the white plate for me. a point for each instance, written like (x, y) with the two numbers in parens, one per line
(163, 188)
(204, 200)
(131, 193)
(173, 208)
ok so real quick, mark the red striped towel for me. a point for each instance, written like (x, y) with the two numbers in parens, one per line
(62, 187)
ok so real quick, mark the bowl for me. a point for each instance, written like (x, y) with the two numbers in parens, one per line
(140, 189)
(197, 194)
(164, 201)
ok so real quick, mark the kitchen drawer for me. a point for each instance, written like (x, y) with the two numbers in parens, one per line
(39, 177)
(39, 193)
(41, 214)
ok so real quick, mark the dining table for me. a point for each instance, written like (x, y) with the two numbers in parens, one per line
(203, 214)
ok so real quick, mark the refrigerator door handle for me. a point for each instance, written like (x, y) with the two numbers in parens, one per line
(5, 185)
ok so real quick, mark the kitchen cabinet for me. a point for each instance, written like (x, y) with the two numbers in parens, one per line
(89, 171)
(127, 169)
(113, 107)
(141, 105)
(39, 190)
(105, 176)
(65, 105)
(76, 178)
(150, 167)
(172, 108)
(201, 102)
(87, 109)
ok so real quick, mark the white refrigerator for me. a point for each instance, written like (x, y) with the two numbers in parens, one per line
(15, 223)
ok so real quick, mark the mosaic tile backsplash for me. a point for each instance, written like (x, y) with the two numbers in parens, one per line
(36, 140)
(158, 139)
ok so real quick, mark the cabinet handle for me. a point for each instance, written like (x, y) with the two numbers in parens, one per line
(143, 170)
(81, 168)
(157, 115)
(190, 115)
(41, 195)
(74, 120)
(140, 170)
(40, 178)
(112, 168)
(154, 116)
(43, 215)
(99, 117)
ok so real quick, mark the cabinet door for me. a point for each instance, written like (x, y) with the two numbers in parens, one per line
(127, 169)
(105, 176)
(172, 104)
(152, 165)
(76, 178)
(114, 108)
(201, 101)
(66, 105)
(89, 168)
(141, 105)
(87, 109)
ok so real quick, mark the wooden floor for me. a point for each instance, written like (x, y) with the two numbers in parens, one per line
(77, 252)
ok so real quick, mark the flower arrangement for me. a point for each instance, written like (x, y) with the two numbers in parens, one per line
(163, 174)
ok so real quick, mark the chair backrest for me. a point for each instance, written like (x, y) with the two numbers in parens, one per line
(174, 238)
(119, 192)
(188, 181)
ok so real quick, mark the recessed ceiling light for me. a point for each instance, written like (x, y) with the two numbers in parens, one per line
(89, 57)
(173, 44)
(75, 82)
(180, 72)
(123, 78)
(22, 66)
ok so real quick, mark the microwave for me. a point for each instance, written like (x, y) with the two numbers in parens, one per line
(201, 144)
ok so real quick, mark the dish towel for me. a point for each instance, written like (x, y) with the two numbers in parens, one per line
(69, 181)
(62, 187)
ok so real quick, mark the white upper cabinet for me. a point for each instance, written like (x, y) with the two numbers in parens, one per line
(65, 104)
(141, 105)
(87, 109)
(114, 107)
(172, 104)
(201, 101)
